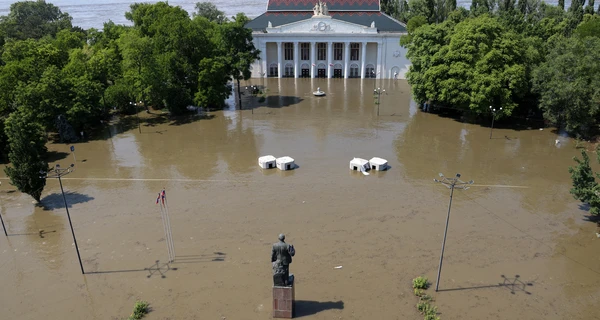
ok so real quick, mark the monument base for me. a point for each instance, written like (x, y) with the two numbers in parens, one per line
(284, 301)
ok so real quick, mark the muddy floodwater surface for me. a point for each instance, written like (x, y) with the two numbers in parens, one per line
(519, 246)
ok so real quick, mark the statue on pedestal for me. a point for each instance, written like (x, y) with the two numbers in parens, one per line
(320, 9)
(281, 257)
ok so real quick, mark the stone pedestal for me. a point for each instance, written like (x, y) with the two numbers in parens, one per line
(283, 301)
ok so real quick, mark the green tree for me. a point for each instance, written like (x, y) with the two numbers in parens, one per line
(590, 27)
(34, 19)
(27, 154)
(561, 4)
(585, 188)
(589, 9)
(471, 65)
(235, 44)
(569, 86)
(413, 24)
(210, 11)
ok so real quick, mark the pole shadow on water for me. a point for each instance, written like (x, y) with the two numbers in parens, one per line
(307, 307)
(41, 233)
(197, 258)
(514, 284)
(55, 201)
(156, 269)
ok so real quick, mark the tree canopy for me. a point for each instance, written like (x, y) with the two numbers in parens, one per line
(167, 60)
(527, 57)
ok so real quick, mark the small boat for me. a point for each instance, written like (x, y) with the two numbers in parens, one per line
(319, 93)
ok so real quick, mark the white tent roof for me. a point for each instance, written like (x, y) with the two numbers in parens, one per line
(285, 160)
(378, 161)
(264, 159)
(359, 161)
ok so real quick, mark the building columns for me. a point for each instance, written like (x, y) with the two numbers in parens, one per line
(312, 59)
(263, 59)
(279, 59)
(363, 53)
(296, 59)
(379, 47)
(347, 58)
(329, 58)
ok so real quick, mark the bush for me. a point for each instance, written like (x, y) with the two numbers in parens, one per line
(420, 283)
(139, 310)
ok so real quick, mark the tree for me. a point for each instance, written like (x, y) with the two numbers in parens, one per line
(472, 65)
(413, 24)
(561, 4)
(585, 188)
(27, 154)
(209, 11)
(590, 27)
(34, 19)
(589, 9)
(237, 47)
(568, 85)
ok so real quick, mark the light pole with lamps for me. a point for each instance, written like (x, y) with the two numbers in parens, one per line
(451, 183)
(135, 105)
(3, 227)
(378, 92)
(493, 118)
(253, 91)
(58, 172)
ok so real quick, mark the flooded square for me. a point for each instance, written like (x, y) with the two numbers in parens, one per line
(519, 246)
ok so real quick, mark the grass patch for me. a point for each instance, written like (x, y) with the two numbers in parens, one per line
(424, 305)
(139, 310)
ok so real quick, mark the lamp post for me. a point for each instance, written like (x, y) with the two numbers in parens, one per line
(378, 92)
(137, 115)
(252, 90)
(493, 118)
(451, 183)
(3, 227)
(58, 172)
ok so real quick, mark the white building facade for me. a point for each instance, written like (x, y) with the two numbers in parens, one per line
(332, 39)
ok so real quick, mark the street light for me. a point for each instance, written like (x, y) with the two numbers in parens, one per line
(3, 227)
(493, 118)
(58, 172)
(378, 92)
(136, 113)
(451, 183)
(253, 91)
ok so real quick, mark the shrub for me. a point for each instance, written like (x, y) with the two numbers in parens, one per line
(420, 283)
(139, 310)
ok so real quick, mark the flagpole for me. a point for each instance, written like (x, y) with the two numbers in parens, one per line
(169, 225)
(162, 216)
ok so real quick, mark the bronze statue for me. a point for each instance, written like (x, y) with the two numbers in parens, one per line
(281, 257)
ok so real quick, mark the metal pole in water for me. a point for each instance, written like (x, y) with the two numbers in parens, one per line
(451, 183)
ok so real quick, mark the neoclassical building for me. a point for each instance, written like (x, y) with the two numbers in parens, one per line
(329, 39)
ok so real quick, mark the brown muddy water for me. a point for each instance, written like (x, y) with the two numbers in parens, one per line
(519, 246)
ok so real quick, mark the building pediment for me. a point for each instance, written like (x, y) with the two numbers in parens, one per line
(322, 24)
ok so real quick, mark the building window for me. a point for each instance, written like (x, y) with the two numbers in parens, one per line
(273, 70)
(305, 51)
(322, 51)
(354, 71)
(338, 50)
(370, 71)
(354, 51)
(289, 71)
(288, 49)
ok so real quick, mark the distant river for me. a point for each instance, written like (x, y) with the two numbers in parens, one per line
(92, 14)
